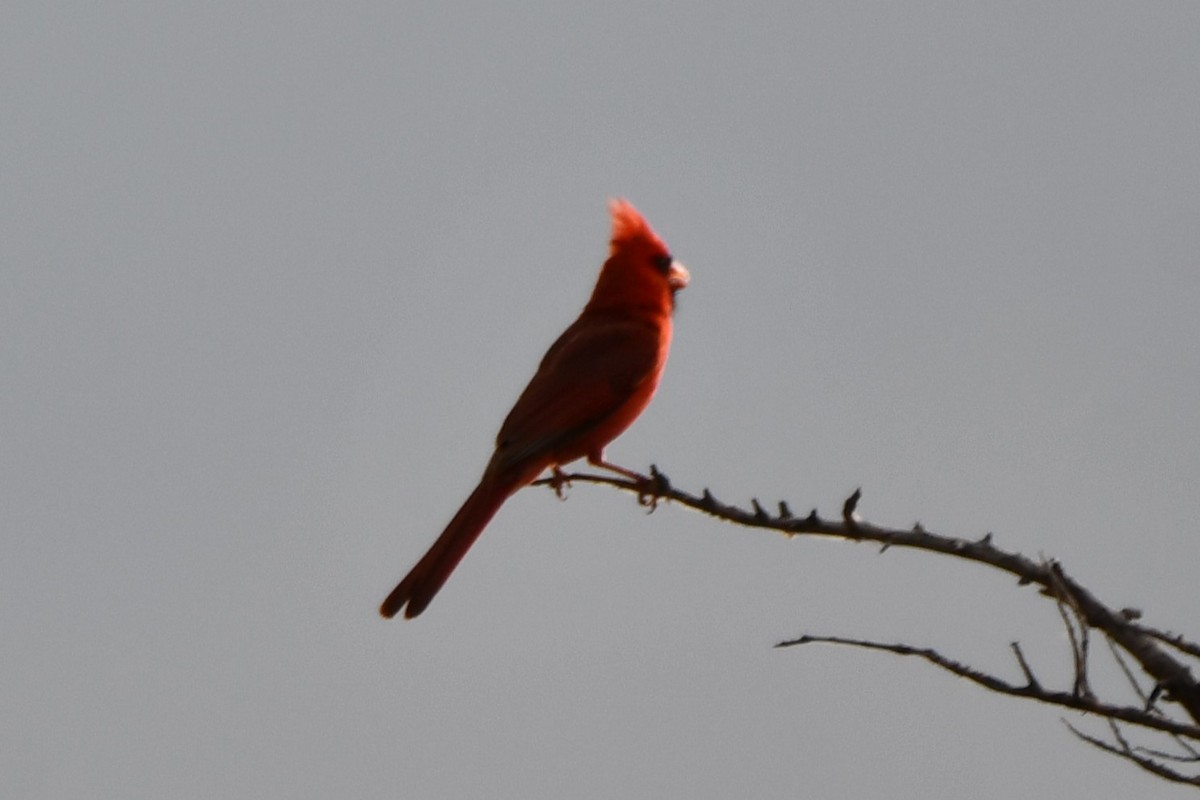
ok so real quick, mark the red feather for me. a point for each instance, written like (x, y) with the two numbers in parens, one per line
(592, 384)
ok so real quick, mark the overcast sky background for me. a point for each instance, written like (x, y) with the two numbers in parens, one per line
(272, 276)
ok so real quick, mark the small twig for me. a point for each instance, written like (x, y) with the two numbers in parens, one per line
(1031, 681)
(1192, 755)
(1129, 676)
(1124, 751)
(1077, 629)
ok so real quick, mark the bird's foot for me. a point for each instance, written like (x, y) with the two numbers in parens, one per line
(652, 488)
(559, 482)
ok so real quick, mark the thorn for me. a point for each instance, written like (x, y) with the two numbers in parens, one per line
(1130, 614)
(849, 506)
(759, 513)
(784, 511)
(661, 482)
(986, 541)
(813, 516)
(918, 528)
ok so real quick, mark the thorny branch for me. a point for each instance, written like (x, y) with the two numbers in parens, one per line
(1155, 651)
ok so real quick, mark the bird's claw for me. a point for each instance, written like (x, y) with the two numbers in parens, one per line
(651, 489)
(559, 481)
(647, 500)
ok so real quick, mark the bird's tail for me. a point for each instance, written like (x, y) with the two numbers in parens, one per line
(426, 578)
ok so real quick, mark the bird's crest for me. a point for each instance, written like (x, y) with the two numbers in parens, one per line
(629, 226)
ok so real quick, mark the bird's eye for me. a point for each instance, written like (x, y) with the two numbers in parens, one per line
(663, 263)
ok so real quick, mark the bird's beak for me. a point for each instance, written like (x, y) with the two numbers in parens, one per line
(678, 276)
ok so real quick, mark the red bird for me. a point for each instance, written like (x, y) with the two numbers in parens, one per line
(591, 385)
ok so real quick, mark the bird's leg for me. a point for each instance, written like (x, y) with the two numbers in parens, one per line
(648, 486)
(597, 460)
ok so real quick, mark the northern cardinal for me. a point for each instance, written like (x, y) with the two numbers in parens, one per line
(591, 385)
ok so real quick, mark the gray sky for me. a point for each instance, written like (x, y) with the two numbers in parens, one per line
(272, 278)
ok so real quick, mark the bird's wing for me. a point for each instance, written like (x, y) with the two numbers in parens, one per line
(589, 374)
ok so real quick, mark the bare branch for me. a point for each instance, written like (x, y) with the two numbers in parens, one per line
(1032, 691)
(1174, 677)
(1125, 751)
(1156, 652)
